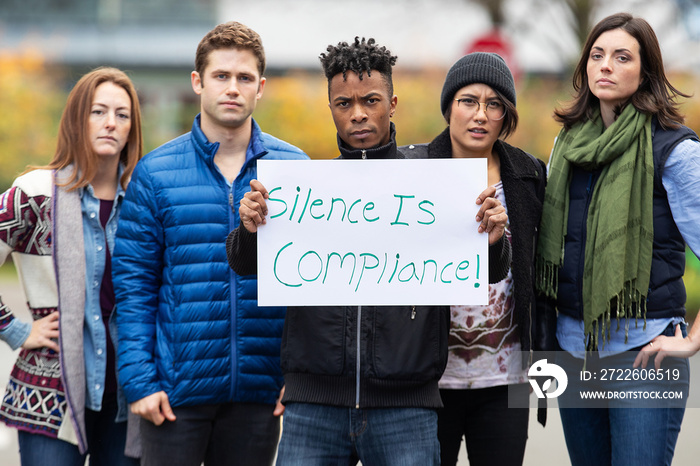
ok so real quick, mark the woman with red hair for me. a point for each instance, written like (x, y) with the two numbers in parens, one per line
(58, 223)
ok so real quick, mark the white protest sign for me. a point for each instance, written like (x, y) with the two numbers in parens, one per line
(372, 232)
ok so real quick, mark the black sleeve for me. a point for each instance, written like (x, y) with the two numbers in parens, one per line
(242, 251)
(499, 259)
(545, 326)
(543, 180)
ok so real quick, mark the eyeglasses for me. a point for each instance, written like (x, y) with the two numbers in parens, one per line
(493, 109)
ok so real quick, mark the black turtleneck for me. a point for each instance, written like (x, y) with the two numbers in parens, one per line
(387, 151)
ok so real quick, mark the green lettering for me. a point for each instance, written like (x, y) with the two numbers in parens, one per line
(420, 206)
(275, 267)
(442, 273)
(383, 268)
(345, 208)
(369, 206)
(350, 210)
(296, 199)
(272, 199)
(319, 270)
(308, 196)
(398, 213)
(478, 266)
(364, 266)
(461, 267)
(429, 261)
(411, 275)
(395, 267)
(342, 259)
(316, 202)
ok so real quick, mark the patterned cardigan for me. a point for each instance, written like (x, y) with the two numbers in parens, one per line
(41, 226)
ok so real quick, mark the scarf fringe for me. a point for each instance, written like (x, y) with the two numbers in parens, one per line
(627, 304)
(546, 277)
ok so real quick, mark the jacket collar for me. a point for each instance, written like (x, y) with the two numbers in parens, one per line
(387, 151)
(441, 147)
(256, 147)
(207, 150)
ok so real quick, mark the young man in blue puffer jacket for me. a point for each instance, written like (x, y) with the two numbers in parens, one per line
(199, 361)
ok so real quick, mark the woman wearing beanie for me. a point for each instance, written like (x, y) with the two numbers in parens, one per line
(486, 343)
(621, 203)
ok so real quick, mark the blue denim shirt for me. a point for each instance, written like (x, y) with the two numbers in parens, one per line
(94, 337)
(681, 179)
(16, 333)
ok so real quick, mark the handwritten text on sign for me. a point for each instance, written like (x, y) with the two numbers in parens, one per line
(372, 232)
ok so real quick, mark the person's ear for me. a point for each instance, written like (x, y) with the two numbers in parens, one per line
(196, 82)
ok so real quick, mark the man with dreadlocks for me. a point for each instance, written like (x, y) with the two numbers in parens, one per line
(360, 382)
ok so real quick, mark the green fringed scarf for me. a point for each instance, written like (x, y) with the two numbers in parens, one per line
(617, 262)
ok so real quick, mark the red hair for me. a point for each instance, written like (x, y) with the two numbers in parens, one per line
(74, 147)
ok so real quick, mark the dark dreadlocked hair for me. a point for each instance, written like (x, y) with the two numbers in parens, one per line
(361, 56)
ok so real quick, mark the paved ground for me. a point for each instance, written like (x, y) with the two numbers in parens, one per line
(545, 446)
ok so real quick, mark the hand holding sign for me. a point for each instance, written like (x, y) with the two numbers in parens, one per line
(253, 207)
(492, 215)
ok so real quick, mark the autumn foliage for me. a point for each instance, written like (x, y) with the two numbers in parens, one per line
(31, 103)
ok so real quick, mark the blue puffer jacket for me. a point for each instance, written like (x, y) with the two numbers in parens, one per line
(180, 328)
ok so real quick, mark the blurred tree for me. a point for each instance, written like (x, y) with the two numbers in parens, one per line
(578, 14)
(418, 118)
(31, 103)
(295, 108)
(581, 17)
(494, 8)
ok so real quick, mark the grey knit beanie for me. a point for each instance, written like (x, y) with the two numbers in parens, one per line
(478, 67)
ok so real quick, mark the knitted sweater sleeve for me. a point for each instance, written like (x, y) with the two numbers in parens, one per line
(19, 216)
(499, 259)
(241, 250)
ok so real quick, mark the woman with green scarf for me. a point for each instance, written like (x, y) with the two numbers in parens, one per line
(621, 203)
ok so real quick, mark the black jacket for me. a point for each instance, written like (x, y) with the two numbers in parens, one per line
(524, 178)
(399, 352)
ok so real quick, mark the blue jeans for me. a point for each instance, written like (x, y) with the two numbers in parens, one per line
(621, 436)
(106, 440)
(241, 434)
(620, 432)
(319, 435)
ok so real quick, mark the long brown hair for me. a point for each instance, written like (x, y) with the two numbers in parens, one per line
(74, 147)
(655, 95)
